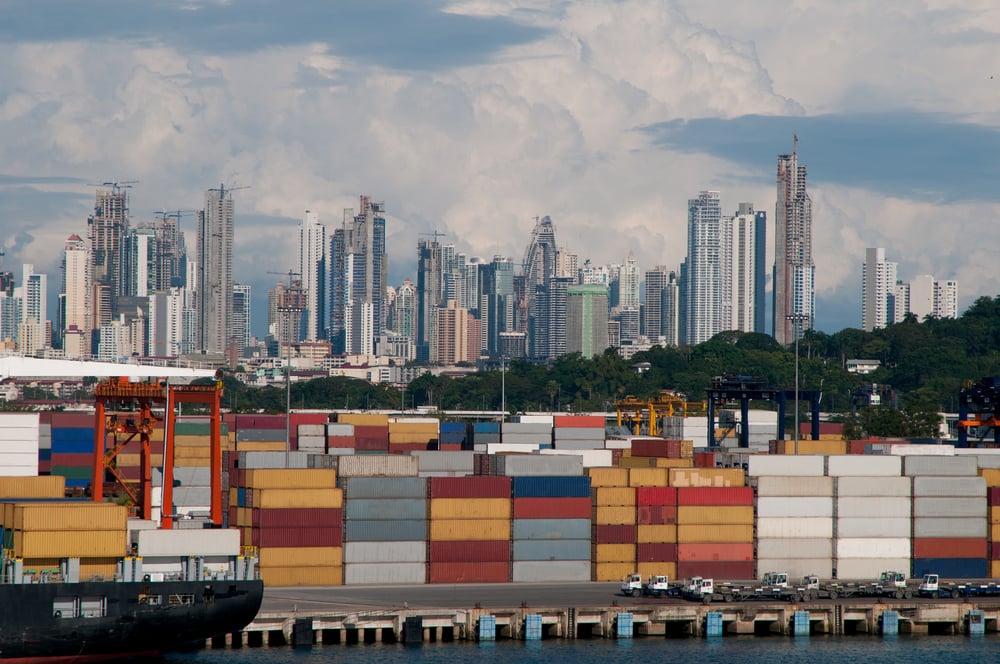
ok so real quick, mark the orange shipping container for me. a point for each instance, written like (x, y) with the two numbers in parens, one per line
(707, 477)
(364, 419)
(62, 544)
(270, 498)
(991, 475)
(292, 478)
(994, 516)
(994, 569)
(301, 556)
(656, 569)
(675, 463)
(50, 486)
(608, 477)
(647, 477)
(614, 515)
(656, 534)
(995, 532)
(613, 496)
(470, 508)
(611, 571)
(276, 577)
(715, 534)
(636, 462)
(708, 552)
(613, 553)
(700, 514)
(261, 446)
(459, 530)
(412, 438)
(69, 516)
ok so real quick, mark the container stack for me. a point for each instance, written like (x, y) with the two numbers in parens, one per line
(339, 436)
(470, 530)
(311, 438)
(72, 455)
(551, 528)
(371, 431)
(413, 433)
(949, 516)
(445, 463)
(385, 529)
(794, 515)
(294, 517)
(715, 532)
(663, 453)
(485, 433)
(656, 531)
(167, 552)
(261, 433)
(453, 436)
(614, 524)
(45, 443)
(19, 444)
(578, 432)
(537, 435)
(992, 477)
(873, 516)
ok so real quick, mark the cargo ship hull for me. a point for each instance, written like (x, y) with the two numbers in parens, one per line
(104, 620)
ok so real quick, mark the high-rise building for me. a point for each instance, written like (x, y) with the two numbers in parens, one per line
(34, 310)
(496, 311)
(242, 315)
(76, 292)
(457, 336)
(652, 313)
(106, 230)
(215, 271)
(705, 282)
(358, 279)
(312, 269)
(141, 262)
(794, 270)
(742, 264)
(472, 290)
(878, 290)
(586, 320)
(430, 296)
(538, 268)
(286, 309)
(403, 311)
(628, 283)
(171, 253)
(929, 297)
(166, 322)
(946, 299)
(670, 302)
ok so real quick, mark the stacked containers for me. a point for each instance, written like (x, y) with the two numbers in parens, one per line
(19, 444)
(578, 432)
(412, 433)
(294, 516)
(873, 516)
(311, 438)
(72, 456)
(656, 531)
(45, 443)
(794, 515)
(535, 434)
(261, 433)
(452, 436)
(470, 530)
(992, 477)
(484, 433)
(614, 524)
(339, 436)
(385, 531)
(949, 516)
(551, 528)
(371, 431)
(714, 523)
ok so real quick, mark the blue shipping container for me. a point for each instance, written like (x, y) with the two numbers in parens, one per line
(486, 427)
(72, 433)
(73, 446)
(952, 568)
(550, 487)
(385, 531)
(452, 427)
(542, 529)
(525, 550)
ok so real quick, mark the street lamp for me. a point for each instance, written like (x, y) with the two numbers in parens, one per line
(797, 319)
(503, 388)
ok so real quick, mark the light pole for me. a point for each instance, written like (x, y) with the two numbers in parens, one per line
(503, 388)
(797, 320)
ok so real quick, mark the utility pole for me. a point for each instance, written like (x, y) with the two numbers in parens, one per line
(797, 320)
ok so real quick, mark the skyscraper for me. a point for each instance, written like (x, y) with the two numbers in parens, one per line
(538, 268)
(76, 291)
(215, 271)
(242, 315)
(704, 286)
(106, 229)
(586, 320)
(742, 263)
(496, 311)
(652, 314)
(878, 290)
(794, 270)
(312, 268)
(430, 296)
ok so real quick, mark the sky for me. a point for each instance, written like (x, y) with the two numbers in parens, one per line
(472, 118)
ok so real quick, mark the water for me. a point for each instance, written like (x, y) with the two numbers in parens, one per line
(744, 650)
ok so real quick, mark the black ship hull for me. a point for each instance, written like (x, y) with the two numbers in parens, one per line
(101, 620)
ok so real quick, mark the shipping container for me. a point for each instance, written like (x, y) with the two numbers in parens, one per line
(793, 466)
(385, 573)
(82, 544)
(869, 569)
(550, 529)
(453, 461)
(474, 508)
(297, 498)
(873, 547)
(656, 552)
(537, 466)
(779, 486)
(673, 463)
(802, 507)
(952, 487)
(893, 487)
(301, 556)
(959, 466)
(363, 419)
(656, 514)
(551, 508)
(729, 515)
(294, 478)
(32, 487)
(469, 551)
(579, 421)
(550, 571)
(614, 515)
(214, 542)
(707, 477)
(656, 447)
(715, 533)
(951, 568)
(657, 568)
(878, 508)
(795, 548)
(67, 516)
(608, 477)
(276, 577)
(604, 534)
(400, 488)
(949, 527)
(781, 527)
(468, 572)
(613, 553)
(949, 507)
(864, 466)
(469, 487)
(295, 517)
(458, 530)
(612, 571)
(371, 509)
(656, 496)
(718, 570)
(378, 465)
(385, 552)
(688, 552)
(952, 547)
(796, 567)
(874, 527)
(614, 496)
(648, 477)
(389, 531)
(735, 496)
(550, 486)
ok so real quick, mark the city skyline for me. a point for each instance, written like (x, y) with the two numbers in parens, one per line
(599, 114)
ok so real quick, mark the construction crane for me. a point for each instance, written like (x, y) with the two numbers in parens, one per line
(175, 214)
(289, 274)
(223, 189)
(115, 185)
(434, 234)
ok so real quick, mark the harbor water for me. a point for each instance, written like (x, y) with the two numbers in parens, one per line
(744, 650)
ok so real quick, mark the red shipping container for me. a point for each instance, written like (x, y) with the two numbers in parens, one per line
(720, 571)
(656, 495)
(310, 418)
(340, 442)
(459, 572)
(369, 444)
(993, 496)
(371, 432)
(738, 495)
(728, 552)
(232, 515)
(578, 422)
(469, 551)
(411, 447)
(297, 537)
(704, 459)
(661, 552)
(552, 508)
(656, 515)
(994, 550)
(656, 447)
(469, 487)
(616, 456)
(450, 447)
(272, 422)
(63, 420)
(949, 547)
(604, 534)
(73, 459)
(294, 517)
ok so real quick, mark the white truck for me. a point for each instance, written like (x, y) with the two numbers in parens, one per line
(931, 586)
(655, 586)
(632, 585)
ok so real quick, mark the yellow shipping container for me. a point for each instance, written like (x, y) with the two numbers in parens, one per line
(192, 463)
(301, 556)
(75, 544)
(606, 477)
(994, 569)
(364, 419)
(134, 460)
(276, 577)
(611, 571)
(69, 516)
(104, 568)
(647, 477)
(715, 534)
(246, 536)
(656, 569)
(656, 534)
(38, 565)
(614, 515)
(994, 515)
(48, 486)
(613, 495)
(687, 449)
(457, 530)
(190, 440)
(831, 436)
(409, 428)
(707, 477)
(675, 463)
(271, 498)
(470, 508)
(714, 515)
(613, 553)
(995, 532)
(411, 438)
(991, 475)
(261, 446)
(636, 462)
(192, 453)
(291, 478)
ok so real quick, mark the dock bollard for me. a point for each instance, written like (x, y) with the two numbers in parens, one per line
(623, 625)
(890, 623)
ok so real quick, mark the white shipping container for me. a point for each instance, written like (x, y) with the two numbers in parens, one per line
(796, 567)
(512, 441)
(859, 465)
(339, 430)
(590, 458)
(874, 527)
(617, 444)
(869, 569)
(547, 571)
(781, 527)
(786, 465)
(377, 465)
(873, 547)
(984, 460)
(312, 444)
(10, 420)
(141, 524)
(535, 465)
(312, 430)
(777, 486)
(366, 574)
(903, 449)
(868, 507)
(221, 542)
(949, 527)
(543, 429)
(534, 419)
(952, 466)
(385, 552)
(511, 448)
(795, 548)
(865, 486)
(444, 460)
(8, 470)
(795, 507)
(949, 487)
(949, 507)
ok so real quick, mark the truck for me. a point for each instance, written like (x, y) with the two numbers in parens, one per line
(632, 585)
(655, 586)
(931, 586)
(893, 584)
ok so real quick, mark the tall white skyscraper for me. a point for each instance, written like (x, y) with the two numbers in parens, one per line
(34, 297)
(742, 269)
(929, 297)
(704, 311)
(794, 270)
(946, 299)
(215, 271)
(242, 314)
(878, 290)
(76, 290)
(313, 269)
(628, 280)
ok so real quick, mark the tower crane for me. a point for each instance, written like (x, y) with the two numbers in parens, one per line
(175, 214)
(434, 234)
(223, 189)
(115, 185)
(290, 274)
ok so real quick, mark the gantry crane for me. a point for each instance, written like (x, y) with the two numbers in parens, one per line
(643, 416)
(979, 408)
